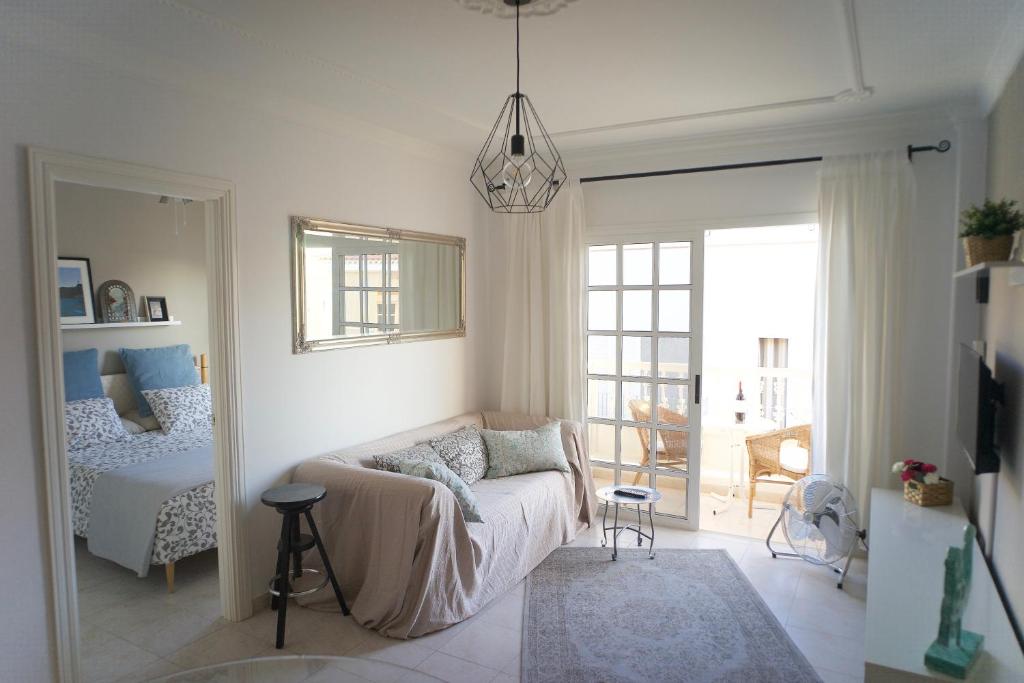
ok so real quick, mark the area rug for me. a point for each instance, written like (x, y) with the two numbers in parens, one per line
(686, 615)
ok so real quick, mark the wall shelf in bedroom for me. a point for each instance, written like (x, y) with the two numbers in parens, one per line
(110, 326)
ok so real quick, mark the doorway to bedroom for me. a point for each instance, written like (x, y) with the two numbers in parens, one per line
(132, 272)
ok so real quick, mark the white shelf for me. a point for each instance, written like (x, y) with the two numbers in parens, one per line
(906, 572)
(109, 326)
(987, 266)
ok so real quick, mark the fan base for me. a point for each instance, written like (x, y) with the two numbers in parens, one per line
(955, 661)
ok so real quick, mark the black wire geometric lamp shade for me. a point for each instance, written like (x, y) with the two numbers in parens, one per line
(521, 172)
(519, 169)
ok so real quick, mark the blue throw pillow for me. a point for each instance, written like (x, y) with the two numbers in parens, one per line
(440, 472)
(165, 367)
(82, 375)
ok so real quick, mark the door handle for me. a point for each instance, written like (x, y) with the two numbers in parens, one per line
(696, 389)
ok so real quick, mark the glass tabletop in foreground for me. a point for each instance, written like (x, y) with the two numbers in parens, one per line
(301, 669)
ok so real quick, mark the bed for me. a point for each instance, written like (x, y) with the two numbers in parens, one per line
(187, 522)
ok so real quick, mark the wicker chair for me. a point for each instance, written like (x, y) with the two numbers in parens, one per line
(673, 451)
(764, 451)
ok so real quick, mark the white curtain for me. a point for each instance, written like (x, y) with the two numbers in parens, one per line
(864, 206)
(541, 308)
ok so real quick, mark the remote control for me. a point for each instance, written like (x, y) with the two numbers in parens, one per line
(631, 493)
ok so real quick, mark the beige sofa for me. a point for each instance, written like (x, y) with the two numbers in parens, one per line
(408, 562)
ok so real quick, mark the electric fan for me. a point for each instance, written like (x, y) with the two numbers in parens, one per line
(819, 520)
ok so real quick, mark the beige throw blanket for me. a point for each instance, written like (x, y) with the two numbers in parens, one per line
(408, 562)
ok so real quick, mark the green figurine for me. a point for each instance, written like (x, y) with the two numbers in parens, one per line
(955, 650)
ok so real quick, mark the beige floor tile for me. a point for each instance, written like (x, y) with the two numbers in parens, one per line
(407, 653)
(842, 654)
(779, 576)
(455, 670)
(829, 676)
(112, 658)
(172, 631)
(154, 672)
(485, 644)
(225, 645)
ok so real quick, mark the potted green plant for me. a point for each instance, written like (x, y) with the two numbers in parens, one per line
(988, 230)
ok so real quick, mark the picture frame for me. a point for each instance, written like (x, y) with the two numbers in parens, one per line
(74, 283)
(116, 302)
(156, 309)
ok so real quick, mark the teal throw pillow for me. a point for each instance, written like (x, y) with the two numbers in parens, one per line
(531, 450)
(440, 472)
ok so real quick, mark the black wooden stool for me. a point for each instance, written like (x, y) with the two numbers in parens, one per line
(292, 500)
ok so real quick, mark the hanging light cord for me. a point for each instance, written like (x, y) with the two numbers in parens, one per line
(518, 95)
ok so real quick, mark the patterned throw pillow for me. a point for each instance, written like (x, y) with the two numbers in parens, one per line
(91, 422)
(532, 450)
(463, 452)
(439, 472)
(182, 409)
(421, 452)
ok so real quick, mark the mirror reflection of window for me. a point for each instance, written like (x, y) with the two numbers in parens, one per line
(358, 285)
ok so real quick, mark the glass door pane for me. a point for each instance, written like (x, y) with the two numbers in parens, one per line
(643, 306)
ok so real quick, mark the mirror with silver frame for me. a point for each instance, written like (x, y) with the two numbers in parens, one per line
(355, 285)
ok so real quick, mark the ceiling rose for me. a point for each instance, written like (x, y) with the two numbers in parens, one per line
(506, 9)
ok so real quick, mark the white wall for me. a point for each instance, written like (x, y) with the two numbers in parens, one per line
(294, 406)
(1004, 332)
(157, 249)
(788, 194)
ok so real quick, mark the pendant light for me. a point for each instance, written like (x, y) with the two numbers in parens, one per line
(518, 170)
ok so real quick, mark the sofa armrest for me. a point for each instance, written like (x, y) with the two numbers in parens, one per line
(378, 528)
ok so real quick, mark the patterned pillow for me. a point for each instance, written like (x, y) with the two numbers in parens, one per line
(532, 450)
(389, 462)
(91, 422)
(181, 409)
(463, 452)
(439, 472)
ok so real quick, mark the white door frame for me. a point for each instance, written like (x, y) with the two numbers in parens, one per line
(46, 168)
(669, 232)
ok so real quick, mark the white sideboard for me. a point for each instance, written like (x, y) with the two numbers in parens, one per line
(905, 585)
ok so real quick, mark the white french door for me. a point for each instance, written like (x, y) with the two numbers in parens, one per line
(644, 303)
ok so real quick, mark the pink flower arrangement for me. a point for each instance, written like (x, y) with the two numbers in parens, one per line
(924, 472)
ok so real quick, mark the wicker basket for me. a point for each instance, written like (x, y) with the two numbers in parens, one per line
(981, 249)
(927, 495)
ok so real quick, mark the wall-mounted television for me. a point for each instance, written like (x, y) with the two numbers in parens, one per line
(978, 397)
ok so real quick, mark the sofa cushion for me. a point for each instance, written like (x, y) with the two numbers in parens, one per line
(463, 452)
(530, 450)
(390, 462)
(439, 472)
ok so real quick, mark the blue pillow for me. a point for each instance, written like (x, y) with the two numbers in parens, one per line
(82, 375)
(165, 367)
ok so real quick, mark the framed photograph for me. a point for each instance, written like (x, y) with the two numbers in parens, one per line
(117, 302)
(156, 309)
(74, 281)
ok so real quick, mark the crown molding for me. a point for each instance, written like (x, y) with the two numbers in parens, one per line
(919, 124)
(1008, 53)
(857, 92)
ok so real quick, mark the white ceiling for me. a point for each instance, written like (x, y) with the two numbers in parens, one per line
(439, 72)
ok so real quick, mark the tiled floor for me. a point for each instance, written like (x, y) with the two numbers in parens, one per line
(133, 630)
(732, 519)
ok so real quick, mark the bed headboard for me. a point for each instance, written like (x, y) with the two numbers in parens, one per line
(119, 389)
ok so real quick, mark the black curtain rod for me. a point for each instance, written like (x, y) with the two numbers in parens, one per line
(942, 147)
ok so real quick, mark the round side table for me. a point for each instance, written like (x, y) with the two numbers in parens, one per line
(610, 497)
